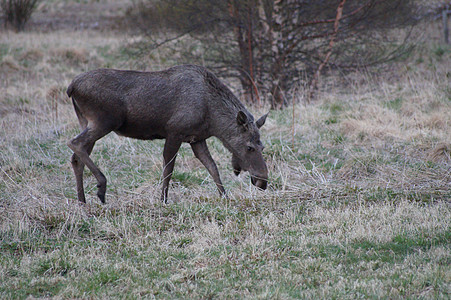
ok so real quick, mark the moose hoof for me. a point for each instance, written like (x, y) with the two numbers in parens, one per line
(101, 197)
(164, 199)
(101, 192)
(82, 199)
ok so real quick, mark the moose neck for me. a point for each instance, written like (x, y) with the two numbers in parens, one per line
(224, 126)
(226, 135)
(224, 107)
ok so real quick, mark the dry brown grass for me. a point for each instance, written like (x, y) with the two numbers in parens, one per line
(358, 206)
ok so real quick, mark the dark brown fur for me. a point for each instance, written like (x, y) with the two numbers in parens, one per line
(182, 104)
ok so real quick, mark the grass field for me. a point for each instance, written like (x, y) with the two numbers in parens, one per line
(358, 204)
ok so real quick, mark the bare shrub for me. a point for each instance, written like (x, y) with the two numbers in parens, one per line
(273, 46)
(441, 152)
(70, 56)
(17, 12)
(8, 63)
(35, 55)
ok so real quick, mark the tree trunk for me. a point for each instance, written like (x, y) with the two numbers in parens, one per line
(246, 84)
(244, 37)
(278, 99)
(315, 79)
(270, 14)
(445, 24)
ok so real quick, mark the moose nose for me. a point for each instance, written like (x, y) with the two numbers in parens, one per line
(260, 183)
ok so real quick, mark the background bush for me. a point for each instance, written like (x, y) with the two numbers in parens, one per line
(17, 12)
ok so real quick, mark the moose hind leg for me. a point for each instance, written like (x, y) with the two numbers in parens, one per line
(171, 147)
(78, 167)
(82, 146)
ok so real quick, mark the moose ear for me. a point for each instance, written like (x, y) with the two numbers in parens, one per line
(260, 122)
(241, 118)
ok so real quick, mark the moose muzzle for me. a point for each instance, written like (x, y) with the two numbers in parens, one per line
(259, 182)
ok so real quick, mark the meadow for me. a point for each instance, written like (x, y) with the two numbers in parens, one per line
(358, 203)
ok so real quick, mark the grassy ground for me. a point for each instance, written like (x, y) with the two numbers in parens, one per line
(357, 207)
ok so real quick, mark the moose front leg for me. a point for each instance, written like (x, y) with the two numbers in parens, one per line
(171, 147)
(200, 150)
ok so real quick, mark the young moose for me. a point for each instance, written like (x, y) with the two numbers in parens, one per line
(182, 104)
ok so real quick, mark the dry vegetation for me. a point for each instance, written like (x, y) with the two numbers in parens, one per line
(358, 204)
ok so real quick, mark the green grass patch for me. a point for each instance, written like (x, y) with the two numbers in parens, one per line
(208, 249)
(394, 104)
(187, 178)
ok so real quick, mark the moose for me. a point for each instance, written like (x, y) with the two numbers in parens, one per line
(185, 103)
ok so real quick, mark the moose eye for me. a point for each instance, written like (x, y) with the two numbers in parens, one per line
(250, 149)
